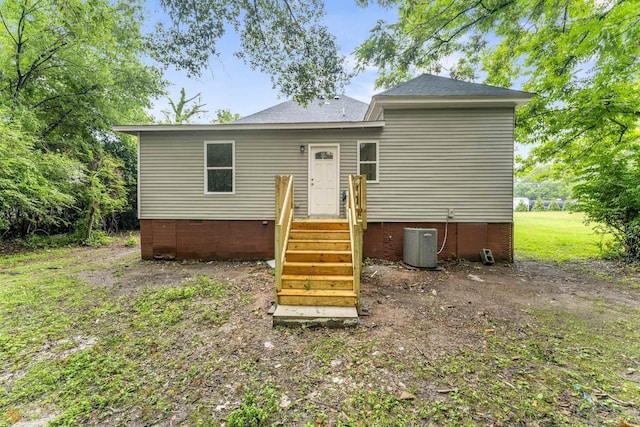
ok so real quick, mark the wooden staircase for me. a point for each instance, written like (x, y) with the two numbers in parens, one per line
(318, 261)
(318, 269)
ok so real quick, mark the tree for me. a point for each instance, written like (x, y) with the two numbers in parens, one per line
(554, 206)
(610, 194)
(542, 182)
(225, 116)
(180, 113)
(282, 38)
(522, 206)
(581, 58)
(69, 71)
(35, 188)
(538, 206)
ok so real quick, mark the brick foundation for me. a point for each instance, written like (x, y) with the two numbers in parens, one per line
(206, 240)
(464, 240)
(209, 240)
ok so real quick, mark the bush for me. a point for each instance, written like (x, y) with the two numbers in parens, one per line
(538, 206)
(610, 195)
(98, 238)
(44, 241)
(522, 206)
(131, 241)
(554, 206)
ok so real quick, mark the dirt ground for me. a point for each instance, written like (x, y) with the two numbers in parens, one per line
(397, 296)
(412, 315)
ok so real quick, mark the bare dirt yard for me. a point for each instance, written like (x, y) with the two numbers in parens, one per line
(528, 343)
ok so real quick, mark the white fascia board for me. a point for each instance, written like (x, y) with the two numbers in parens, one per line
(248, 126)
(379, 103)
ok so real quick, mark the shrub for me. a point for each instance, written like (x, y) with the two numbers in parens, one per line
(522, 206)
(554, 206)
(538, 206)
(610, 195)
(131, 241)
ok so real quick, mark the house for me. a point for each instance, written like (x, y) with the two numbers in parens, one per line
(436, 152)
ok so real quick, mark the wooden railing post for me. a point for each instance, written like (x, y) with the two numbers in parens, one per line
(363, 201)
(284, 217)
(281, 188)
(357, 217)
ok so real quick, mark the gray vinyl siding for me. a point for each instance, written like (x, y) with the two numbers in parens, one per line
(172, 172)
(430, 161)
(433, 160)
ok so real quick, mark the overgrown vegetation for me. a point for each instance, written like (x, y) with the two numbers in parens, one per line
(69, 71)
(610, 194)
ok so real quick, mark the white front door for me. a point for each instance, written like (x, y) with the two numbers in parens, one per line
(324, 180)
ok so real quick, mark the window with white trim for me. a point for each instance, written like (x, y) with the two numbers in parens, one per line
(368, 160)
(219, 167)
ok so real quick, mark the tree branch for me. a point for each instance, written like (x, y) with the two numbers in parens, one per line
(4, 23)
(293, 16)
(65, 95)
(55, 124)
(442, 41)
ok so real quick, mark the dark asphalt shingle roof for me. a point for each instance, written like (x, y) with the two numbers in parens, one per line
(430, 85)
(343, 109)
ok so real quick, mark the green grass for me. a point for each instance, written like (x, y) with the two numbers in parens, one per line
(556, 236)
(80, 350)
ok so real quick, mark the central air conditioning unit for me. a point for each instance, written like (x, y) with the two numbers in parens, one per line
(420, 247)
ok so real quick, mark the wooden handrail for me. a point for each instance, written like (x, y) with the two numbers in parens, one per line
(357, 218)
(284, 217)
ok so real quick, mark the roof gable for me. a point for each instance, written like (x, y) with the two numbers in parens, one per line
(430, 85)
(339, 109)
(429, 91)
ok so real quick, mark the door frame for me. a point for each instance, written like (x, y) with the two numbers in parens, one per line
(309, 170)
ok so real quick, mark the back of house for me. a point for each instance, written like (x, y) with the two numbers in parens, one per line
(436, 152)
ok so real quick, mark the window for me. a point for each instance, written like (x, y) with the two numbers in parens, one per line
(219, 167)
(324, 155)
(368, 160)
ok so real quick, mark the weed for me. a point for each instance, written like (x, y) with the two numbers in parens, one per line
(131, 241)
(377, 408)
(256, 408)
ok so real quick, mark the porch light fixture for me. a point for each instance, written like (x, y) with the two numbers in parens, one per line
(303, 148)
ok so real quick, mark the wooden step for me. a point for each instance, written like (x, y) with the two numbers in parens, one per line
(320, 225)
(319, 235)
(318, 268)
(292, 281)
(307, 316)
(313, 297)
(317, 256)
(319, 245)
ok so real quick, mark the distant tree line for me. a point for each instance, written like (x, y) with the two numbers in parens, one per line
(538, 205)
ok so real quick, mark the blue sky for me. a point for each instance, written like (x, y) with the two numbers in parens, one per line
(233, 85)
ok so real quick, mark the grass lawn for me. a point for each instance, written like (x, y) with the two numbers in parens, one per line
(556, 236)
